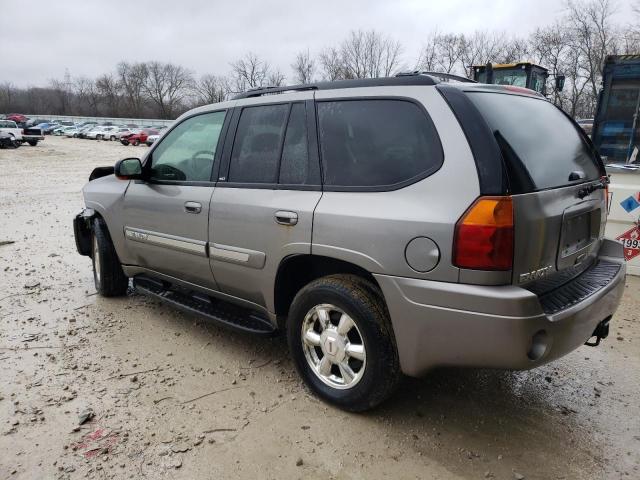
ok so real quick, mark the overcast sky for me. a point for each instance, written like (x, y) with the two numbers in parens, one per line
(90, 37)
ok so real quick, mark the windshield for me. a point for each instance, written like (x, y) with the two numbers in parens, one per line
(541, 147)
(506, 76)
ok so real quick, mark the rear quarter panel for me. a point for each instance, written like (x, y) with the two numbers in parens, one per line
(372, 229)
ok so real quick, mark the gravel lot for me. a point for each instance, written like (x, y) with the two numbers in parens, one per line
(167, 395)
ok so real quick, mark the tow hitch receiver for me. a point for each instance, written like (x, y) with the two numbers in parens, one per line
(601, 332)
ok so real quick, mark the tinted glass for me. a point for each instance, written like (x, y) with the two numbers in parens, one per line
(187, 152)
(376, 143)
(256, 148)
(294, 165)
(540, 145)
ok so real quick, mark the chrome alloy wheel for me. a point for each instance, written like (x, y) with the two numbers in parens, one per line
(333, 346)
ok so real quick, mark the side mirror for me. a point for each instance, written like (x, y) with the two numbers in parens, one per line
(128, 169)
(559, 82)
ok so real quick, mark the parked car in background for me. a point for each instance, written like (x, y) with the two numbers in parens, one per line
(72, 132)
(8, 141)
(138, 138)
(151, 139)
(59, 130)
(82, 133)
(125, 132)
(46, 128)
(11, 129)
(586, 124)
(16, 117)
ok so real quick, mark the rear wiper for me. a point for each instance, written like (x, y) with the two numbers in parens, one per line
(589, 189)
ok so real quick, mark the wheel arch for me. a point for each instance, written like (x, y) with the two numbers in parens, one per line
(296, 271)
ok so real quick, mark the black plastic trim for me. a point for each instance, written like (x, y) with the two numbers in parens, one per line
(580, 287)
(313, 155)
(484, 146)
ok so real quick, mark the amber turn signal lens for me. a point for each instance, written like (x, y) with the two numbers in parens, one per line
(484, 235)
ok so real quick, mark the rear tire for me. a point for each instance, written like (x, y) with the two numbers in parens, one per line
(135, 143)
(109, 279)
(112, 138)
(33, 143)
(355, 367)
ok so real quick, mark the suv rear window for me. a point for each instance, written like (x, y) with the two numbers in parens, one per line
(540, 146)
(376, 143)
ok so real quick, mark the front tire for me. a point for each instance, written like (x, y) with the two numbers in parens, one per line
(109, 279)
(342, 342)
(33, 143)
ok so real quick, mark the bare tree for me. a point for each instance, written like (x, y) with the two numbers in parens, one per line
(304, 67)
(428, 53)
(449, 52)
(87, 95)
(369, 54)
(249, 72)
(63, 94)
(166, 86)
(211, 89)
(132, 77)
(110, 91)
(590, 22)
(480, 48)
(331, 64)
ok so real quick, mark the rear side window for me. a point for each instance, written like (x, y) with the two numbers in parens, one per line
(256, 148)
(376, 143)
(295, 167)
(541, 147)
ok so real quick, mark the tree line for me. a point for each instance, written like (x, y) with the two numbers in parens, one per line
(574, 45)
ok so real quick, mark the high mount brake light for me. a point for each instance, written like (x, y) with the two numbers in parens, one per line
(484, 235)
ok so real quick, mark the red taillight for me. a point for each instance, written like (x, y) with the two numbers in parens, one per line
(484, 235)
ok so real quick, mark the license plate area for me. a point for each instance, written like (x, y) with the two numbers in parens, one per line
(580, 229)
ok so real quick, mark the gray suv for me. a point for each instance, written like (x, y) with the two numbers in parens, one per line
(389, 226)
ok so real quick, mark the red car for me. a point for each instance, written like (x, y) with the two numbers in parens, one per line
(136, 139)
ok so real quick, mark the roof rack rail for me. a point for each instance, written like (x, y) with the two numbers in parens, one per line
(445, 77)
(398, 80)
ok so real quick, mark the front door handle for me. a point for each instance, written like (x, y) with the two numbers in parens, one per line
(284, 217)
(192, 207)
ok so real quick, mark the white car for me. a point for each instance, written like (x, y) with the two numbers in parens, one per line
(71, 132)
(151, 139)
(10, 127)
(98, 133)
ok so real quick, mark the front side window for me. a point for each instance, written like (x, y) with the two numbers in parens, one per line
(256, 148)
(187, 152)
(376, 143)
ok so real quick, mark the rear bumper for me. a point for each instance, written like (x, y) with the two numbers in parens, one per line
(445, 324)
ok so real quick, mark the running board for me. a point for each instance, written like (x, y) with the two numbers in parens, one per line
(222, 313)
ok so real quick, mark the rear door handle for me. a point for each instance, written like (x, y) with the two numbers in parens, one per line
(192, 207)
(284, 217)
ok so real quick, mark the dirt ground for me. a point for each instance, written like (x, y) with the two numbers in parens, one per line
(168, 395)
